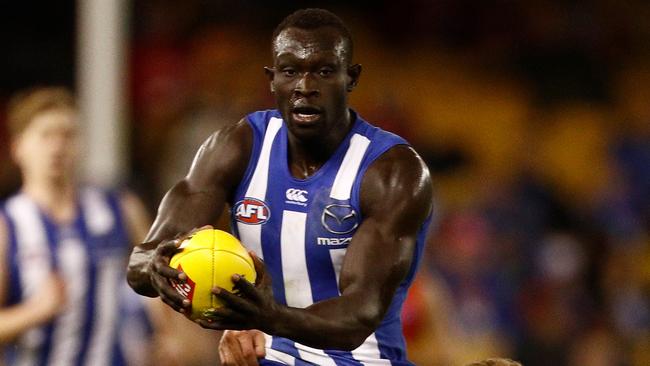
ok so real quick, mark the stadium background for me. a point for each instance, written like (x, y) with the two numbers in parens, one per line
(534, 118)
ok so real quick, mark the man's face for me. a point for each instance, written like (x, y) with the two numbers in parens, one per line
(48, 148)
(311, 78)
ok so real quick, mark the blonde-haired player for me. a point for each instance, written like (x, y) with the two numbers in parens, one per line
(63, 245)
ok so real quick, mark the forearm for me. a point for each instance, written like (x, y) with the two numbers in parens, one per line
(338, 323)
(184, 208)
(17, 319)
(137, 274)
(181, 210)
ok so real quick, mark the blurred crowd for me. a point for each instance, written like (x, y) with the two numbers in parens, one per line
(534, 118)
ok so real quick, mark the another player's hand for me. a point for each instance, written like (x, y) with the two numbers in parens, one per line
(49, 300)
(253, 307)
(241, 348)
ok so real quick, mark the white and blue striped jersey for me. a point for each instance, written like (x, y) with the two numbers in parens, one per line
(90, 255)
(302, 228)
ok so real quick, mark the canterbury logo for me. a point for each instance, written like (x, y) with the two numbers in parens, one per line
(296, 195)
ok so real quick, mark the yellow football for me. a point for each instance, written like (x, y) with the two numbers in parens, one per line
(209, 258)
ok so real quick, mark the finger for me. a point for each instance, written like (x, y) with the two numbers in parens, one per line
(234, 359)
(161, 266)
(171, 297)
(173, 305)
(233, 301)
(219, 324)
(222, 347)
(228, 349)
(168, 248)
(164, 287)
(204, 227)
(259, 343)
(245, 341)
(225, 358)
(168, 294)
(161, 261)
(257, 262)
(245, 288)
(186, 235)
(225, 314)
(260, 269)
(228, 357)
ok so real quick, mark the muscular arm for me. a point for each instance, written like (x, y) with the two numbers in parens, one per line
(173, 342)
(195, 201)
(396, 198)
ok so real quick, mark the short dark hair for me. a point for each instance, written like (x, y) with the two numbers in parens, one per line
(314, 18)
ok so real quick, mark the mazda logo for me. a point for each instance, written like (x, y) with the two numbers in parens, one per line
(339, 219)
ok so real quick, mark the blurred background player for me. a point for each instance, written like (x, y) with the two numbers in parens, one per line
(63, 246)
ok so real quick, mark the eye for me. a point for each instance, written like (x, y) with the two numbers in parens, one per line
(325, 72)
(289, 72)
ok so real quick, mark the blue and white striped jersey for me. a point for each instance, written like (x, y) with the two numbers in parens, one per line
(302, 228)
(90, 255)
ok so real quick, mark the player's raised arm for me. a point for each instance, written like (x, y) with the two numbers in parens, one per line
(396, 198)
(195, 201)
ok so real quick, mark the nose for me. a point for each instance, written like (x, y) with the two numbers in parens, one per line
(306, 85)
(60, 142)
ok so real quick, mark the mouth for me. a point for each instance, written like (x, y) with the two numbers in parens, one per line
(306, 114)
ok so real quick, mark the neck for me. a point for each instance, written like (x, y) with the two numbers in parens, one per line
(56, 196)
(306, 157)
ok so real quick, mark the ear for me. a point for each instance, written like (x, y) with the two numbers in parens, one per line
(14, 150)
(270, 73)
(354, 72)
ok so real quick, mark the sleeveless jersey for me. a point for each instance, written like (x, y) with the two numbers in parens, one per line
(302, 228)
(90, 256)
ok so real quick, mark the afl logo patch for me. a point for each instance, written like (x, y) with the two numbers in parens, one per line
(252, 211)
(186, 289)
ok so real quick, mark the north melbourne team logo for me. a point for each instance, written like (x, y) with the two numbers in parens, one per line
(252, 211)
(296, 196)
(339, 219)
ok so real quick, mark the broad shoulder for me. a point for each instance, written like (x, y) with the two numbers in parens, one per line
(224, 155)
(235, 139)
(397, 181)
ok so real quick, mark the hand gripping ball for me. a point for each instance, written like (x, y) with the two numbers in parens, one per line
(209, 258)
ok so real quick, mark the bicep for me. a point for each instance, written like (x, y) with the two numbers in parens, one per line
(376, 262)
(221, 160)
(200, 197)
(396, 196)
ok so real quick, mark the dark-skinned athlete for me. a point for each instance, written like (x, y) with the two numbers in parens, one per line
(336, 208)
